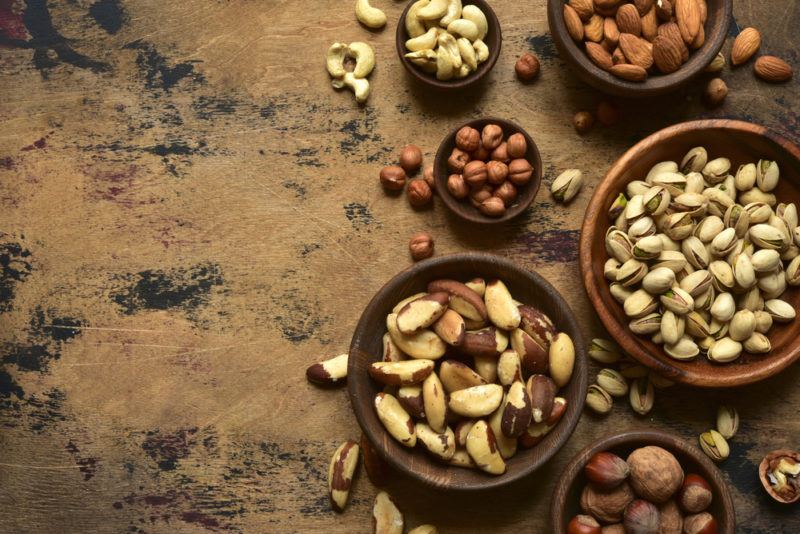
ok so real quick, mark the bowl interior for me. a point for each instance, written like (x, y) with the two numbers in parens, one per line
(463, 208)
(493, 40)
(742, 143)
(566, 498)
(366, 347)
(716, 29)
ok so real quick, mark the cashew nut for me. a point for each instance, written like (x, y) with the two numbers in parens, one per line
(369, 16)
(448, 42)
(467, 53)
(481, 50)
(424, 41)
(436, 9)
(474, 13)
(463, 72)
(453, 12)
(335, 59)
(464, 28)
(359, 86)
(364, 56)
(414, 26)
(444, 64)
(424, 59)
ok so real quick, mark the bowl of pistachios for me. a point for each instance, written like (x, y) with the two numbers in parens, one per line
(690, 252)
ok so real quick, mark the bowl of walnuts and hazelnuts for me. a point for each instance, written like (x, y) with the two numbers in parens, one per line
(488, 170)
(642, 482)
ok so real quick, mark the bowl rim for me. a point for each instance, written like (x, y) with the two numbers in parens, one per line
(566, 425)
(643, 437)
(654, 85)
(589, 230)
(455, 84)
(531, 189)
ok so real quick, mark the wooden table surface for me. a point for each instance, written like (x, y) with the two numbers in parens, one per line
(191, 216)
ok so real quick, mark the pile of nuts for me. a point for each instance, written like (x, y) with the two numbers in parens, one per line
(780, 475)
(488, 169)
(645, 494)
(472, 416)
(696, 256)
(632, 40)
(446, 39)
(355, 80)
(714, 442)
(394, 177)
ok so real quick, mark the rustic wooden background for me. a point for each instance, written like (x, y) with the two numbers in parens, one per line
(190, 216)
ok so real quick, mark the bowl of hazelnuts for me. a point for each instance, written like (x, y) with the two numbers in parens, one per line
(488, 170)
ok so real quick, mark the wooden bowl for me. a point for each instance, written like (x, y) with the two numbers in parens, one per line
(716, 29)
(742, 142)
(463, 208)
(493, 39)
(566, 497)
(366, 348)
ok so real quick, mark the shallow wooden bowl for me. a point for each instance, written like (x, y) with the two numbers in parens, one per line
(493, 39)
(366, 347)
(463, 208)
(742, 142)
(566, 497)
(716, 29)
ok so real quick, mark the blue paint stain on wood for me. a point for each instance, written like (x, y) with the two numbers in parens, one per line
(15, 266)
(108, 14)
(185, 288)
(157, 72)
(543, 45)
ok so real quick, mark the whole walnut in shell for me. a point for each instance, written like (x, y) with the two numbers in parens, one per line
(671, 518)
(655, 474)
(607, 506)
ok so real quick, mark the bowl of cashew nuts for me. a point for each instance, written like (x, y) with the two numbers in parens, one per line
(447, 45)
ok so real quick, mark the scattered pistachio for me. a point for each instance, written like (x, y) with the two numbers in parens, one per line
(727, 421)
(598, 399)
(714, 445)
(567, 185)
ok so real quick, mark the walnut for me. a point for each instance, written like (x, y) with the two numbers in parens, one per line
(607, 506)
(655, 474)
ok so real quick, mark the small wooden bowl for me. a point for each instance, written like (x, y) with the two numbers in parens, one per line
(566, 497)
(716, 28)
(741, 142)
(493, 39)
(463, 208)
(366, 347)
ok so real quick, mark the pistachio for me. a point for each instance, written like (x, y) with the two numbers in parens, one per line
(677, 300)
(649, 324)
(695, 204)
(708, 228)
(694, 160)
(745, 177)
(642, 396)
(722, 274)
(598, 399)
(695, 252)
(567, 185)
(792, 251)
(659, 168)
(751, 300)
(647, 248)
(669, 244)
(728, 186)
(634, 209)
(758, 343)
(723, 243)
(673, 182)
(612, 382)
(772, 285)
(765, 260)
(704, 301)
(696, 283)
(737, 218)
(718, 201)
(672, 327)
(618, 206)
(658, 281)
(757, 195)
(718, 329)
(743, 325)
(767, 175)
(641, 228)
(604, 351)
(684, 349)
(705, 344)
(727, 421)
(743, 272)
(788, 212)
(780, 310)
(763, 321)
(672, 260)
(640, 303)
(695, 183)
(725, 350)
(636, 187)
(619, 292)
(723, 308)
(714, 445)
(678, 226)
(716, 170)
(696, 325)
(760, 212)
(656, 200)
(619, 245)
(611, 268)
(793, 272)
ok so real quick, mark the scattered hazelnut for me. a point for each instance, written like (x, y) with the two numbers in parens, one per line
(427, 175)
(695, 495)
(493, 207)
(421, 246)
(715, 92)
(475, 173)
(527, 67)
(492, 136)
(410, 158)
(583, 121)
(583, 524)
(702, 523)
(606, 470)
(641, 517)
(457, 186)
(501, 152)
(655, 473)
(671, 518)
(520, 171)
(393, 178)
(607, 506)
(457, 160)
(419, 193)
(506, 192)
(607, 113)
(496, 172)
(517, 146)
(468, 139)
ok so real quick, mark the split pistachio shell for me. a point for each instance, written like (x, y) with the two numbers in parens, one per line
(722, 274)
(742, 326)
(693, 203)
(598, 399)
(714, 445)
(567, 185)
(763, 321)
(760, 212)
(618, 206)
(672, 327)
(619, 292)
(793, 272)
(723, 243)
(619, 245)
(737, 218)
(716, 170)
(611, 268)
(612, 382)
(648, 248)
(708, 228)
(656, 200)
(723, 308)
(746, 177)
(725, 350)
(636, 187)
(677, 300)
(743, 272)
(678, 226)
(696, 283)
(695, 183)
(604, 351)
(631, 272)
(768, 237)
(718, 201)
(673, 182)
(639, 304)
(695, 252)
(684, 349)
(696, 325)
(634, 209)
(659, 168)
(649, 324)
(694, 160)
(642, 396)
(727, 421)
(672, 260)
(780, 310)
(641, 228)
(758, 343)
(765, 260)
(767, 175)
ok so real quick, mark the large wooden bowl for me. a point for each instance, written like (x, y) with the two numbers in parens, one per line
(566, 497)
(716, 29)
(493, 39)
(742, 142)
(366, 348)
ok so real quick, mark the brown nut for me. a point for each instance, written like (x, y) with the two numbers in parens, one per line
(492, 136)
(391, 352)
(395, 419)
(330, 372)
(463, 300)
(487, 342)
(536, 432)
(702, 523)
(671, 518)
(434, 403)
(419, 193)
(607, 506)
(475, 174)
(509, 369)
(427, 175)
(492, 207)
(496, 172)
(422, 312)
(520, 171)
(451, 328)
(534, 357)
(458, 160)
(410, 158)
(456, 376)
(516, 411)
(607, 113)
(641, 517)
(421, 246)
(506, 192)
(476, 401)
(500, 153)
(410, 398)
(340, 474)
(457, 187)
(517, 146)
(779, 472)
(386, 517)
(393, 178)
(482, 448)
(377, 469)
(542, 392)
(583, 121)
(538, 325)
(583, 524)
(527, 67)
(468, 139)
(478, 195)
(655, 473)
(403, 373)
(695, 494)
(606, 470)
(715, 92)
(481, 153)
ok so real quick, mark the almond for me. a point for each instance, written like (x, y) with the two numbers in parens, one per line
(650, 25)
(702, 5)
(599, 55)
(610, 31)
(700, 39)
(745, 45)
(664, 10)
(618, 58)
(584, 8)
(628, 20)
(687, 13)
(644, 6)
(593, 30)
(606, 4)
(667, 56)
(573, 23)
(636, 50)
(772, 69)
(631, 73)
(670, 30)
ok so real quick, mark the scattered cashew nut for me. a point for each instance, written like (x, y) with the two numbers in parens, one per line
(467, 53)
(356, 80)
(453, 12)
(369, 16)
(474, 13)
(414, 25)
(481, 50)
(364, 56)
(425, 41)
(335, 59)
(436, 9)
(359, 86)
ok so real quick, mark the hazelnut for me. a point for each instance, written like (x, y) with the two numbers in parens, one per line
(493, 207)
(468, 139)
(506, 192)
(419, 193)
(655, 473)
(606, 505)
(480, 153)
(477, 196)
(527, 67)
(583, 121)
(695, 495)
(517, 146)
(616, 528)
(606, 470)
(607, 113)
(421, 246)
(427, 175)
(715, 92)
(519, 171)
(496, 172)
(671, 518)
(641, 517)
(393, 178)
(410, 158)
(475, 173)
(457, 160)
(702, 523)
(583, 524)
(457, 187)
(492, 136)
(501, 152)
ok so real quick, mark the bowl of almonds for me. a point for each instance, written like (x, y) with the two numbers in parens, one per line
(690, 252)
(638, 48)
(467, 372)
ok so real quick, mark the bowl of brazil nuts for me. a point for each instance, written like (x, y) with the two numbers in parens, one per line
(487, 171)
(450, 398)
(641, 481)
(690, 252)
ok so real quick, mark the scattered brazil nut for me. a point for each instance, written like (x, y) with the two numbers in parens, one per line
(329, 372)
(340, 474)
(386, 517)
